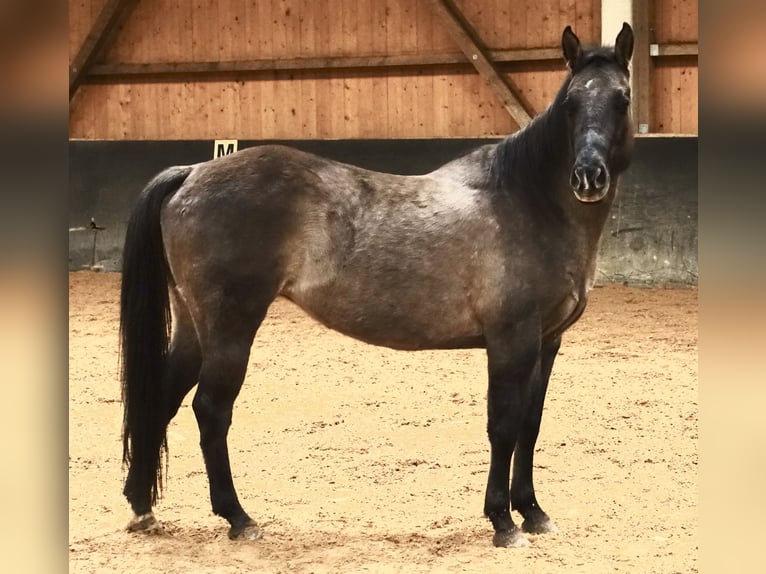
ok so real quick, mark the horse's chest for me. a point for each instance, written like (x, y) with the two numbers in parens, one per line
(563, 313)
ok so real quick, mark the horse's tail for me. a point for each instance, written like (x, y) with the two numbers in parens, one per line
(145, 333)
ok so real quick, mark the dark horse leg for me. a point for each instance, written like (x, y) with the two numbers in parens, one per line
(230, 326)
(513, 353)
(181, 370)
(522, 487)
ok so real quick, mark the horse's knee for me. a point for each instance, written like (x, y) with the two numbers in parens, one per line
(507, 402)
(503, 432)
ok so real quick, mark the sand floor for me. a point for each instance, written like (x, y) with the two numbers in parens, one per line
(357, 458)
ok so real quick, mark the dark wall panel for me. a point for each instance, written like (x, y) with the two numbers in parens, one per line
(651, 237)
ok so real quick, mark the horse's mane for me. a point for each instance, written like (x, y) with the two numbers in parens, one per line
(526, 158)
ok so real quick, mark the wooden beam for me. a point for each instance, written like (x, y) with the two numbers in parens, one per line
(182, 70)
(641, 69)
(677, 49)
(470, 44)
(102, 33)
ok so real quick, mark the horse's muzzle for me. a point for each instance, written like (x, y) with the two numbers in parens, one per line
(590, 181)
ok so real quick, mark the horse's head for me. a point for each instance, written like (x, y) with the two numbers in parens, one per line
(598, 109)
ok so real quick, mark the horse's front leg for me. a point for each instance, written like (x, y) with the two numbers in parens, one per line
(522, 487)
(513, 354)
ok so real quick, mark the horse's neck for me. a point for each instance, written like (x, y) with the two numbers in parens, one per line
(544, 149)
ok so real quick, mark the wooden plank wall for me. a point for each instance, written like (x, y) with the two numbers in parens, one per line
(675, 79)
(450, 101)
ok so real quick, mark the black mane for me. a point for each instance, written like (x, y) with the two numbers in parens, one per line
(524, 159)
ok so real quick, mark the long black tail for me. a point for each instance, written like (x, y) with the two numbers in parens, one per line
(144, 336)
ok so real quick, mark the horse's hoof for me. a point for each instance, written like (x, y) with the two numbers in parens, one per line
(510, 539)
(146, 524)
(545, 526)
(249, 531)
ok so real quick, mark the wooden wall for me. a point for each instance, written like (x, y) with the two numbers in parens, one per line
(443, 101)
(674, 78)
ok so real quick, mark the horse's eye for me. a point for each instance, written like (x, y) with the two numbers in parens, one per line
(622, 102)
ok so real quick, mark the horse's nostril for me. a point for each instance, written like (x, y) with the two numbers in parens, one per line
(574, 180)
(601, 179)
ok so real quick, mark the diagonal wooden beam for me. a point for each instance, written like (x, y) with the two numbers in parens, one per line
(470, 44)
(102, 33)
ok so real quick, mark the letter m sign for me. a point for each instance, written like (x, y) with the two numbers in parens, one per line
(224, 147)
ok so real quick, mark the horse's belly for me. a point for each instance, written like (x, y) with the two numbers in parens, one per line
(400, 319)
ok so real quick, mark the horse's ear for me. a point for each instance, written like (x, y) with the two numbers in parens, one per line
(570, 44)
(623, 46)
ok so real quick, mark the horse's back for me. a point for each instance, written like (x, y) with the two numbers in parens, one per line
(355, 248)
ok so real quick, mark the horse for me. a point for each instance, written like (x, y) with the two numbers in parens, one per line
(495, 250)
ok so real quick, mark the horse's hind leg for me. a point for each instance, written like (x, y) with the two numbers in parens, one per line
(522, 487)
(230, 325)
(181, 370)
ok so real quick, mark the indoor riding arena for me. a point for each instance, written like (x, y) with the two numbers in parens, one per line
(353, 457)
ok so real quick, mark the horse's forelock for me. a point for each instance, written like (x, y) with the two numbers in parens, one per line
(595, 56)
